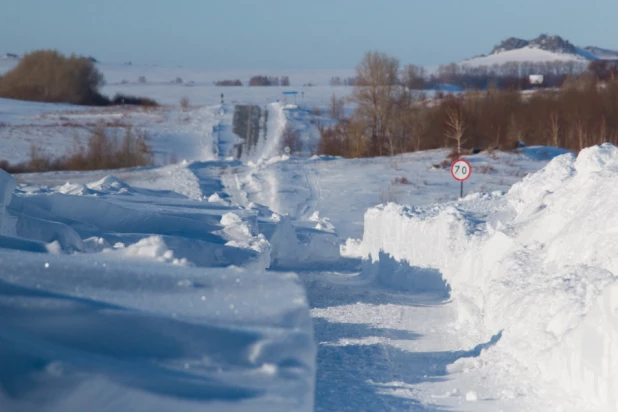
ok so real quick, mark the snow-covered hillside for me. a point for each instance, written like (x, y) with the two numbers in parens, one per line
(603, 54)
(525, 54)
(277, 283)
(543, 49)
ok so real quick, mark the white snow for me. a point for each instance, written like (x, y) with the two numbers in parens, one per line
(97, 333)
(167, 287)
(515, 270)
(7, 185)
(119, 332)
(524, 54)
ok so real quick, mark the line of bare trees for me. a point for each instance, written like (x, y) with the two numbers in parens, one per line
(391, 117)
(269, 81)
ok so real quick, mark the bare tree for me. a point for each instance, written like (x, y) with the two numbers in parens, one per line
(412, 77)
(455, 124)
(290, 138)
(336, 107)
(373, 93)
(554, 127)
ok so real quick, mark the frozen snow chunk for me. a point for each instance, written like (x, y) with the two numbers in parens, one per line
(322, 223)
(109, 184)
(472, 396)
(153, 247)
(54, 247)
(48, 231)
(240, 234)
(215, 198)
(75, 189)
(96, 244)
(7, 186)
(296, 247)
(352, 248)
(315, 217)
(597, 158)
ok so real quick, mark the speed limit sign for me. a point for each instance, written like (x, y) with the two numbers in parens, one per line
(461, 170)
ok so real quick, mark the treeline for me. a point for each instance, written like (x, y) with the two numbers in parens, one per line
(506, 75)
(229, 83)
(390, 118)
(509, 75)
(269, 81)
(338, 81)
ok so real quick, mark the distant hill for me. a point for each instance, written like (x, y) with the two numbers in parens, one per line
(602, 54)
(544, 48)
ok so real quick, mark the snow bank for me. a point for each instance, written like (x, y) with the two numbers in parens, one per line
(242, 233)
(100, 333)
(397, 230)
(538, 264)
(297, 247)
(19, 230)
(153, 247)
(7, 185)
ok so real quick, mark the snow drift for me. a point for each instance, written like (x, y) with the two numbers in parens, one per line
(538, 264)
(154, 317)
(96, 333)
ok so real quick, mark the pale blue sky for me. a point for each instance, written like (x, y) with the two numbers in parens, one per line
(293, 34)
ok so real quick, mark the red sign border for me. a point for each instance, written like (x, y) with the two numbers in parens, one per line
(469, 166)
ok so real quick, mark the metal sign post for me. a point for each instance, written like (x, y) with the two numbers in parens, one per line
(461, 171)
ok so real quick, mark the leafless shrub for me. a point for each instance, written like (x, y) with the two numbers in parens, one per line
(290, 139)
(389, 195)
(336, 107)
(184, 103)
(48, 76)
(401, 181)
(484, 169)
(102, 152)
(228, 83)
(123, 99)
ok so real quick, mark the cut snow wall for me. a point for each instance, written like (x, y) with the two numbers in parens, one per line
(7, 185)
(425, 237)
(545, 275)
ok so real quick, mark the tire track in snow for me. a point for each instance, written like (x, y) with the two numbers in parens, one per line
(307, 208)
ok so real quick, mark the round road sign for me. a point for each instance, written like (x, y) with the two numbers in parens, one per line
(461, 170)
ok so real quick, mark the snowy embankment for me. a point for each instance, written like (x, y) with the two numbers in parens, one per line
(132, 303)
(535, 268)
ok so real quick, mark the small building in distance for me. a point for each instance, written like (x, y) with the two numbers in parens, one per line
(536, 79)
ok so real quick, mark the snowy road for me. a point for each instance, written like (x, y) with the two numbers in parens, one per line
(375, 344)
(429, 307)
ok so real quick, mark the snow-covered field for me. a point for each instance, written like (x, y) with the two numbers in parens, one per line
(278, 283)
(198, 85)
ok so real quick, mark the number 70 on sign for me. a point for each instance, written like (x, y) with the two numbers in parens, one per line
(461, 170)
